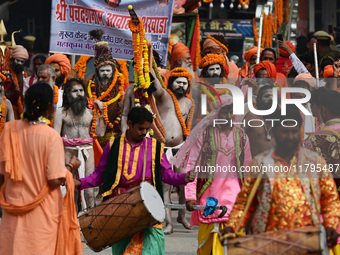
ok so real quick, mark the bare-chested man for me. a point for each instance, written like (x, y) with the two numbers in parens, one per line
(167, 101)
(73, 121)
(260, 137)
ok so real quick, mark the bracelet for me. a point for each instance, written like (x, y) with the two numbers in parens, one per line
(71, 166)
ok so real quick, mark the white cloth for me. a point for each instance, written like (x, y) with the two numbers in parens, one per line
(309, 126)
(169, 151)
(83, 155)
(27, 84)
(60, 98)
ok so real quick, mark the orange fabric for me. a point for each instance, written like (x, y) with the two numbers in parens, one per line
(328, 71)
(11, 156)
(178, 51)
(244, 72)
(136, 244)
(62, 60)
(307, 77)
(271, 69)
(284, 53)
(234, 68)
(98, 151)
(281, 80)
(42, 158)
(69, 238)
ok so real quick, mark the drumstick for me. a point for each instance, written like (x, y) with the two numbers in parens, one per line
(249, 201)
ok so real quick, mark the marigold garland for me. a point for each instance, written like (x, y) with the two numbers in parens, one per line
(275, 20)
(255, 30)
(141, 72)
(2, 114)
(279, 6)
(287, 11)
(91, 89)
(81, 65)
(212, 59)
(267, 35)
(171, 45)
(93, 94)
(185, 128)
(55, 101)
(181, 72)
(198, 44)
(219, 43)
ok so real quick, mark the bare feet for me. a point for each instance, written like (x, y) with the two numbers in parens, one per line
(185, 223)
(168, 229)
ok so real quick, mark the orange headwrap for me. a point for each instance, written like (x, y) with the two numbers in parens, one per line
(328, 71)
(179, 50)
(212, 59)
(247, 56)
(251, 52)
(284, 53)
(271, 69)
(62, 60)
(307, 77)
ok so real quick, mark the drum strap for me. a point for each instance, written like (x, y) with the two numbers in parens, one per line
(144, 163)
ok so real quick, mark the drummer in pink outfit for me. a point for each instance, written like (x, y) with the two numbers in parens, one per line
(123, 165)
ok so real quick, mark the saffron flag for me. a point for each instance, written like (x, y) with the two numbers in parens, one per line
(71, 21)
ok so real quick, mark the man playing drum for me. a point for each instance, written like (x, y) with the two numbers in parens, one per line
(125, 162)
(296, 194)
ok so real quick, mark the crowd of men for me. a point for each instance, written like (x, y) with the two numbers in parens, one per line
(105, 138)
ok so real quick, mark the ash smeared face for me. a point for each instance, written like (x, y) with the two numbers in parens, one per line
(113, 3)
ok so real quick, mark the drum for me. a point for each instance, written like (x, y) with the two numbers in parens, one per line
(122, 216)
(306, 240)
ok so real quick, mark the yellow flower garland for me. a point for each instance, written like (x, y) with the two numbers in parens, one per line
(3, 114)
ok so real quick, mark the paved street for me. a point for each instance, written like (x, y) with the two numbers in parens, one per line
(181, 242)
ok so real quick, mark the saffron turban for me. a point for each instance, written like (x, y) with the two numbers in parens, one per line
(271, 69)
(307, 77)
(251, 52)
(285, 53)
(328, 71)
(214, 46)
(179, 50)
(62, 60)
(19, 51)
(212, 59)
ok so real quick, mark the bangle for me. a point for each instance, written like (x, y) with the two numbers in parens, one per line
(71, 166)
